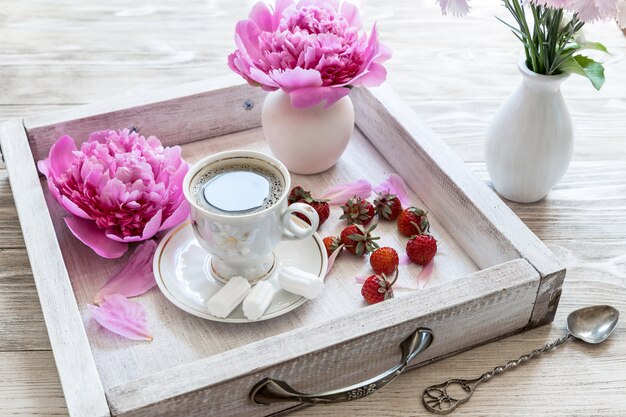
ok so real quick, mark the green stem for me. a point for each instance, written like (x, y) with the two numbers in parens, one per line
(521, 17)
(539, 39)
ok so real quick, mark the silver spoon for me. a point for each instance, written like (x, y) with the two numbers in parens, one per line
(590, 324)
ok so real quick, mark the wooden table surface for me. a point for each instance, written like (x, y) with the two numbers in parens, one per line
(453, 72)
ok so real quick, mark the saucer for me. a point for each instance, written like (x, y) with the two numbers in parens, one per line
(182, 270)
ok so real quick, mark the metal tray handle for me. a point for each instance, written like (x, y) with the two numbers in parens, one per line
(269, 391)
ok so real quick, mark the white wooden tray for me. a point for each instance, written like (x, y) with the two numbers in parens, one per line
(492, 277)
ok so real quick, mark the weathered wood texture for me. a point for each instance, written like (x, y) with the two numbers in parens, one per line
(478, 298)
(178, 115)
(83, 390)
(453, 72)
(120, 361)
(447, 186)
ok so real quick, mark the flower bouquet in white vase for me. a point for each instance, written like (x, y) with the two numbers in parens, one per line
(529, 143)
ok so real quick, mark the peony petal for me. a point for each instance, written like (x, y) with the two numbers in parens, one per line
(361, 279)
(312, 96)
(293, 79)
(332, 257)
(351, 13)
(261, 77)
(394, 184)
(262, 16)
(178, 216)
(425, 274)
(374, 76)
(149, 230)
(404, 259)
(61, 156)
(87, 232)
(54, 190)
(338, 194)
(247, 39)
(152, 227)
(135, 277)
(44, 166)
(73, 208)
(122, 316)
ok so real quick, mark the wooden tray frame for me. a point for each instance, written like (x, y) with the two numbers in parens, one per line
(522, 291)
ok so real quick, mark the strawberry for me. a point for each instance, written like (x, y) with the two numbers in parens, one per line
(358, 211)
(384, 260)
(388, 206)
(359, 240)
(331, 243)
(322, 208)
(377, 288)
(413, 221)
(300, 195)
(421, 249)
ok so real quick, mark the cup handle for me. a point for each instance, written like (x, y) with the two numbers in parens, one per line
(293, 230)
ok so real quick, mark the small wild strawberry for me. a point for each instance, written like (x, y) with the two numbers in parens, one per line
(413, 221)
(388, 206)
(377, 288)
(421, 249)
(384, 260)
(331, 243)
(358, 239)
(300, 195)
(358, 211)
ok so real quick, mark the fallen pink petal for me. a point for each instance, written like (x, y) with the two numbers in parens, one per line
(135, 277)
(340, 193)
(425, 274)
(361, 279)
(394, 184)
(404, 259)
(121, 316)
(332, 257)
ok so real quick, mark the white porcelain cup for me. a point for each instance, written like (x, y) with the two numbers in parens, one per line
(243, 244)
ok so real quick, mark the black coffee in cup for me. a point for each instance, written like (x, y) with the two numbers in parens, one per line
(237, 186)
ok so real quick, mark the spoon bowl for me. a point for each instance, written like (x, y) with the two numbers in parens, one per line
(592, 324)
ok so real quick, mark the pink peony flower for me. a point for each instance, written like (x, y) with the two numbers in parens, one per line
(120, 187)
(313, 50)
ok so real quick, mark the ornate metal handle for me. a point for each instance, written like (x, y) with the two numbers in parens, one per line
(438, 400)
(269, 391)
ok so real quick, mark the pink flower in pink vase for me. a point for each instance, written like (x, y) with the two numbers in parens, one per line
(313, 50)
(120, 187)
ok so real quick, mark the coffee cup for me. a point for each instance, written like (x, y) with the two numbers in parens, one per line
(239, 211)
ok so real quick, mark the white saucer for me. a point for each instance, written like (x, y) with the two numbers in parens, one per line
(181, 269)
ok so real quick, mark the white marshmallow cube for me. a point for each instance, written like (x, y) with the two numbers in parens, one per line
(228, 297)
(300, 282)
(258, 300)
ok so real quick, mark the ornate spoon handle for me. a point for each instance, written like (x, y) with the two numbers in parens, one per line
(437, 400)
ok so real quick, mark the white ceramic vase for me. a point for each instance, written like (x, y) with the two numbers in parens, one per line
(529, 142)
(310, 140)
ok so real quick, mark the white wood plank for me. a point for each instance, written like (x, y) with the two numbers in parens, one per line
(493, 302)
(177, 115)
(77, 370)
